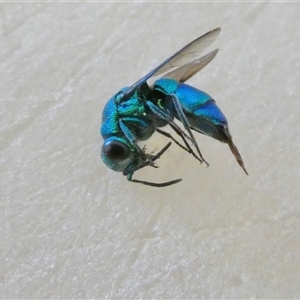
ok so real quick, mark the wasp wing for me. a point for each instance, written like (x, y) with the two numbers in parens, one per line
(180, 58)
(188, 53)
(185, 72)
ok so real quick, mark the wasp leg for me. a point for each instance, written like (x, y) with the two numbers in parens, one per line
(187, 148)
(151, 158)
(132, 139)
(186, 124)
(163, 115)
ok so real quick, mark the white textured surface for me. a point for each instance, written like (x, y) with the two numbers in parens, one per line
(71, 228)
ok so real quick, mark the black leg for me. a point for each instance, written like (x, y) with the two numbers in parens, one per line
(150, 161)
(186, 125)
(187, 148)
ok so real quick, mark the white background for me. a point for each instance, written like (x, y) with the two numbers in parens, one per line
(72, 228)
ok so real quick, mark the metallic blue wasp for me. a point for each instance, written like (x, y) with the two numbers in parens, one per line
(136, 112)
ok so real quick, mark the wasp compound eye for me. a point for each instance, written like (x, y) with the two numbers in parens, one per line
(115, 150)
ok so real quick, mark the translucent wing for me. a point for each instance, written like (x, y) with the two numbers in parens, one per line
(185, 72)
(185, 55)
(190, 52)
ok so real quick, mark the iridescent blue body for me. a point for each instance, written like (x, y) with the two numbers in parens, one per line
(200, 109)
(136, 112)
